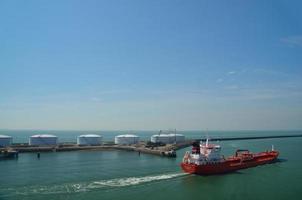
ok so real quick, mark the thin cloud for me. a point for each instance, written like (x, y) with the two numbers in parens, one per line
(96, 99)
(261, 94)
(232, 72)
(220, 80)
(293, 40)
(231, 87)
(270, 72)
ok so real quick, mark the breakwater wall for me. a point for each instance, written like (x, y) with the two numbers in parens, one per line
(141, 148)
(252, 137)
(189, 142)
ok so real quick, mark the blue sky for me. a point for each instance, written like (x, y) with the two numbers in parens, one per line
(140, 64)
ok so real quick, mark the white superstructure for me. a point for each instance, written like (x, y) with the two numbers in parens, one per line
(204, 153)
(5, 140)
(89, 139)
(126, 139)
(43, 140)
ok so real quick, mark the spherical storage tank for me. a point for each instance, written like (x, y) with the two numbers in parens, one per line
(126, 139)
(90, 139)
(168, 138)
(5, 140)
(43, 140)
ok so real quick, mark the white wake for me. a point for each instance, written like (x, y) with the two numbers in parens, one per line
(122, 182)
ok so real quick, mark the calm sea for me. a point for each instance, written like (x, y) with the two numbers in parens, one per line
(126, 175)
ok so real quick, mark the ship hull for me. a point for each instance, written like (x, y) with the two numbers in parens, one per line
(231, 164)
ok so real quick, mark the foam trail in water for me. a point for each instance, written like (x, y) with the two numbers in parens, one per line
(122, 182)
(85, 187)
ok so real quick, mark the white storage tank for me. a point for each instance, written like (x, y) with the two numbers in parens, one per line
(167, 138)
(5, 140)
(163, 138)
(89, 139)
(126, 139)
(43, 140)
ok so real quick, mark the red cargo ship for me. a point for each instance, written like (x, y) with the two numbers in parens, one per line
(205, 159)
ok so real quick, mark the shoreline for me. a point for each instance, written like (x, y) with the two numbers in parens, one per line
(140, 148)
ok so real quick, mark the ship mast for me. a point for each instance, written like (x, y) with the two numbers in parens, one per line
(207, 140)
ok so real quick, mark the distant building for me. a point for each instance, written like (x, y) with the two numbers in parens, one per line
(43, 140)
(89, 139)
(5, 140)
(126, 139)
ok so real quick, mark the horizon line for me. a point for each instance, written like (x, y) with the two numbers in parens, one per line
(135, 130)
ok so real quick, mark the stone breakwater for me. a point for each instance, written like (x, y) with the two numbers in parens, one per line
(167, 150)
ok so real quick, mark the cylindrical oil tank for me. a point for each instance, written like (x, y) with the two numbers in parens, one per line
(167, 138)
(89, 139)
(5, 140)
(126, 139)
(43, 140)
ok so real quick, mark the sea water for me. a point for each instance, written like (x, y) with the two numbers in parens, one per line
(127, 175)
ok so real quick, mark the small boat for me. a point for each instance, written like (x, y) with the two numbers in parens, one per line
(171, 153)
(205, 159)
(8, 153)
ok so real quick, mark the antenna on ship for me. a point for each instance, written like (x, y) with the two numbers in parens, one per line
(175, 136)
(207, 140)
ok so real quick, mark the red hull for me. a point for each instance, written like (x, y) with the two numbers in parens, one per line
(230, 164)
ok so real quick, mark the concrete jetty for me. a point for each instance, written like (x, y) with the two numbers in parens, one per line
(140, 148)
